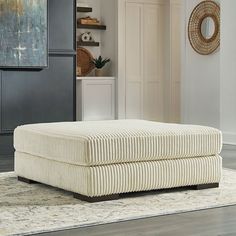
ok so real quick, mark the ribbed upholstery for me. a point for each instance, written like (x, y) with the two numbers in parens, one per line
(119, 178)
(121, 141)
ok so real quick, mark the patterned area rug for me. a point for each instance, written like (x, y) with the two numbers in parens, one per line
(29, 209)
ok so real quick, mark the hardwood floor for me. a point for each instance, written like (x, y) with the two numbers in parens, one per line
(6, 163)
(214, 222)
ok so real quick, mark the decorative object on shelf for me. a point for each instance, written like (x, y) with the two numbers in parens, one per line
(99, 63)
(88, 21)
(78, 72)
(204, 27)
(86, 37)
(24, 34)
(84, 61)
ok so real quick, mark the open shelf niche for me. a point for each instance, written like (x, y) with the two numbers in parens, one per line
(105, 35)
(84, 10)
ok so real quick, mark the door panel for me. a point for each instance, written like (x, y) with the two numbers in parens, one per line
(144, 61)
(33, 97)
(41, 95)
(134, 101)
(133, 57)
(176, 10)
(152, 61)
(61, 25)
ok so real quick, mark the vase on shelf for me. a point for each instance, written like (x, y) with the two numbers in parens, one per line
(98, 72)
(99, 64)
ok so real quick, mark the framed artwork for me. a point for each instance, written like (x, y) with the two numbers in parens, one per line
(23, 33)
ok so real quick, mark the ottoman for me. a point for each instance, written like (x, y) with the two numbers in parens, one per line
(98, 160)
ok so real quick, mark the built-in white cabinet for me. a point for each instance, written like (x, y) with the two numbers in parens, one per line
(95, 98)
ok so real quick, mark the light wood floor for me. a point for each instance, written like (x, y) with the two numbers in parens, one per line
(215, 222)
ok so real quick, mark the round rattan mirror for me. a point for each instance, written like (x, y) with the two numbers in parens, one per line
(204, 27)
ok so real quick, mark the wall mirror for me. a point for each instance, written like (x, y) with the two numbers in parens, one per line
(208, 27)
(204, 27)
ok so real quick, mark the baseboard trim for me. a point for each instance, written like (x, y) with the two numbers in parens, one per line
(229, 138)
(229, 143)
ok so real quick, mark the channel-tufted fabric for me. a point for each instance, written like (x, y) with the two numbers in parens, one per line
(120, 178)
(121, 141)
(108, 157)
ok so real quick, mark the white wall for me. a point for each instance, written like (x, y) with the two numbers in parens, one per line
(228, 71)
(200, 80)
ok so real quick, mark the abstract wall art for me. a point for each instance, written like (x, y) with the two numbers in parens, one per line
(23, 33)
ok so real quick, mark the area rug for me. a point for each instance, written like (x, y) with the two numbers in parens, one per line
(30, 209)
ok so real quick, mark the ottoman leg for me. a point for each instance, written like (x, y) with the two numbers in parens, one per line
(28, 181)
(96, 199)
(206, 186)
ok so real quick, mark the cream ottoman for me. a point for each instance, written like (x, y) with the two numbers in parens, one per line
(101, 159)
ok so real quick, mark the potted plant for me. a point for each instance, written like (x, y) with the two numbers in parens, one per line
(99, 63)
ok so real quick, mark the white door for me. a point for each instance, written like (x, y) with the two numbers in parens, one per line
(152, 62)
(143, 60)
(175, 65)
(150, 59)
(133, 60)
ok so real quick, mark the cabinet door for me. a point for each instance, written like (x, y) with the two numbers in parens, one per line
(133, 58)
(61, 25)
(153, 62)
(38, 97)
(46, 95)
(98, 99)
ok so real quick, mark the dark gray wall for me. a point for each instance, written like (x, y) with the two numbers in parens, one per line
(41, 96)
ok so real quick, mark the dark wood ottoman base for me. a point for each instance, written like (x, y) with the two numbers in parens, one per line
(96, 199)
(25, 180)
(115, 196)
(206, 186)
